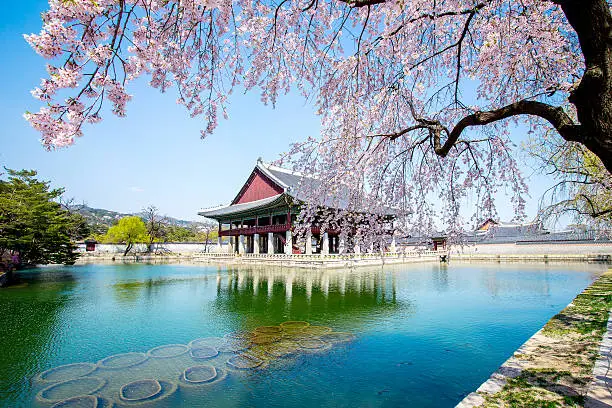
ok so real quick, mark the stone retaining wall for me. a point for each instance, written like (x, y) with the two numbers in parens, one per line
(540, 248)
(553, 365)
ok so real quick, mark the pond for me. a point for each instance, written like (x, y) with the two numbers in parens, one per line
(185, 335)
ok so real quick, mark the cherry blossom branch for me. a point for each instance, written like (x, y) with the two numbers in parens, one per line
(556, 116)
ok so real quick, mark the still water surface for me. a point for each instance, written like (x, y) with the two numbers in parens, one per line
(425, 335)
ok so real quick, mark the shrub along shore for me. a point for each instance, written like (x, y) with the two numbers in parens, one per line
(554, 368)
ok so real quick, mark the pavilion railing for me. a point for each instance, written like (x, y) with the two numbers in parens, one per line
(346, 256)
(262, 229)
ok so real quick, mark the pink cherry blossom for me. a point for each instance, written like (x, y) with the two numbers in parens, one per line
(387, 79)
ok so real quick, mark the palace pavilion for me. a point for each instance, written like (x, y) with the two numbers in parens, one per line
(262, 216)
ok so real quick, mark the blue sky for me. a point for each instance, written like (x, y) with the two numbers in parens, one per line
(154, 155)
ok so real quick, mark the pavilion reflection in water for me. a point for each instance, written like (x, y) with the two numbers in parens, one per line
(343, 299)
(380, 286)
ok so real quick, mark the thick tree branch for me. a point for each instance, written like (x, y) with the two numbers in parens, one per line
(362, 3)
(554, 115)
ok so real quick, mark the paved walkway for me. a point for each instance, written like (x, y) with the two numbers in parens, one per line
(600, 390)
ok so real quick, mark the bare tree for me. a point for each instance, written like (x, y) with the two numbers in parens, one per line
(156, 225)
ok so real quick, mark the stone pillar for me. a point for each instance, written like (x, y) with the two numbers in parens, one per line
(325, 244)
(270, 243)
(288, 242)
(308, 249)
(256, 243)
(393, 247)
(230, 244)
(356, 248)
(371, 250)
(241, 244)
(219, 244)
(341, 245)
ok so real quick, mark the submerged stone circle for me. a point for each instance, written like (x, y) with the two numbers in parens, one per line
(316, 330)
(268, 330)
(168, 351)
(64, 390)
(294, 325)
(282, 349)
(244, 362)
(73, 386)
(200, 374)
(203, 353)
(140, 390)
(215, 342)
(265, 338)
(66, 372)
(123, 360)
(84, 401)
(234, 345)
(144, 392)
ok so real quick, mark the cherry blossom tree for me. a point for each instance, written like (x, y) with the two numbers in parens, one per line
(390, 80)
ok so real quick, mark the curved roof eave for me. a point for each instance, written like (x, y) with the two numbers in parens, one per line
(243, 208)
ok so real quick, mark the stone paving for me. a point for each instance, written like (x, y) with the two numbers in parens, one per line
(600, 391)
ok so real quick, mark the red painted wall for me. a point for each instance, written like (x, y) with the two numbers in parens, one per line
(257, 187)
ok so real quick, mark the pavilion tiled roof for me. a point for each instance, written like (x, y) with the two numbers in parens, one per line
(243, 207)
(293, 183)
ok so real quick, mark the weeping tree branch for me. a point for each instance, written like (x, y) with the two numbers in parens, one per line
(556, 116)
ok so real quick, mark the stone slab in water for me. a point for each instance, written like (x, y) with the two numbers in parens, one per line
(168, 388)
(200, 374)
(234, 346)
(282, 349)
(316, 330)
(72, 388)
(140, 390)
(215, 342)
(268, 329)
(84, 401)
(168, 351)
(294, 325)
(66, 372)
(242, 362)
(124, 360)
(265, 338)
(204, 352)
(312, 344)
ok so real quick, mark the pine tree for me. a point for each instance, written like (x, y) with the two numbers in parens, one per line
(32, 223)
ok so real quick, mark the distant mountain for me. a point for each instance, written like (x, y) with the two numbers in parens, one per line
(108, 217)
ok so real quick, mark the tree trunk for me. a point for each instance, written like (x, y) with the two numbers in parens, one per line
(592, 21)
(127, 249)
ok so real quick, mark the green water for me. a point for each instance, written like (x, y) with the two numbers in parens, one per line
(424, 335)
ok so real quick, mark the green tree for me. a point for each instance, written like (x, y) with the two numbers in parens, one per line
(32, 223)
(129, 231)
(583, 186)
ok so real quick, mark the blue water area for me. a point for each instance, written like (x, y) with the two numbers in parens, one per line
(418, 335)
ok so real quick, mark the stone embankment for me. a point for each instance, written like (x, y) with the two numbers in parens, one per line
(591, 251)
(284, 260)
(565, 364)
